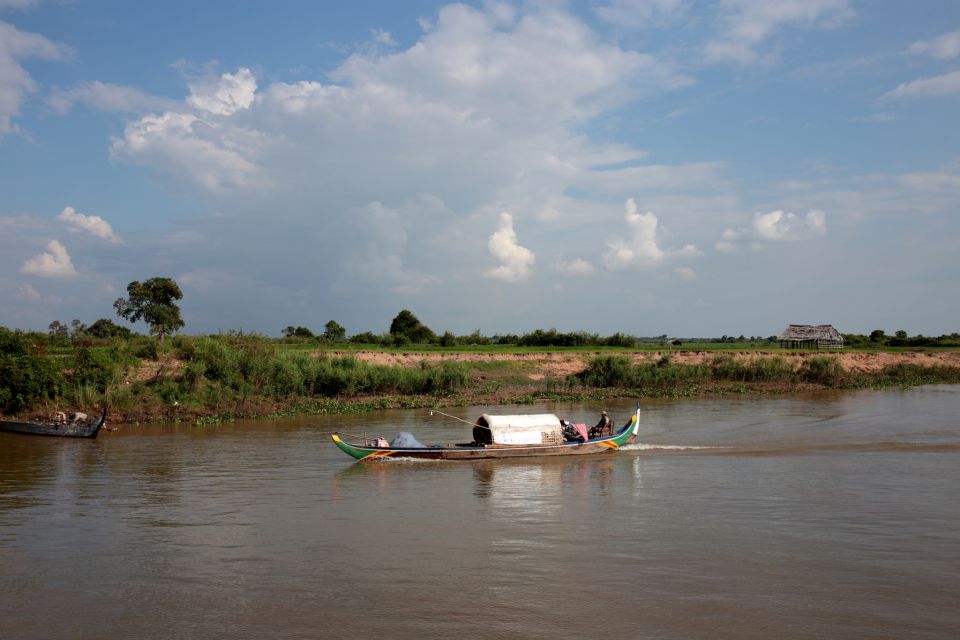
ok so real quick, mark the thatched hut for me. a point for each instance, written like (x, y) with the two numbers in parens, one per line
(810, 336)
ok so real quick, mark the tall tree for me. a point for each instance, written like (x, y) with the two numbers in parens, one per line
(153, 301)
(334, 332)
(409, 326)
(105, 328)
(58, 330)
(297, 332)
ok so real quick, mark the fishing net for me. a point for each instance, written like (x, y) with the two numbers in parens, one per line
(405, 440)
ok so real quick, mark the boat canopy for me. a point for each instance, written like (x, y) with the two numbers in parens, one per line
(523, 429)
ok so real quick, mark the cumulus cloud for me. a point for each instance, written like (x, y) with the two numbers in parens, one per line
(942, 85)
(94, 225)
(944, 47)
(510, 85)
(500, 64)
(777, 225)
(486, 112)
(575, 267)
(774, 226)
(55, 262)
(515, 260)
(216, 158)
(748, 23)
(226, 95)
(641, 247)
(103, 96)
(15, 82)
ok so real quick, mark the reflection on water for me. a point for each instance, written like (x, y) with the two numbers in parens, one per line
(832, 515)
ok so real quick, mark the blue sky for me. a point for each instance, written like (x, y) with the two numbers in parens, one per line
(644, 166)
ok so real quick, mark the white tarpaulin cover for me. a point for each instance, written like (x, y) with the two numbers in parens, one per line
(524, 429)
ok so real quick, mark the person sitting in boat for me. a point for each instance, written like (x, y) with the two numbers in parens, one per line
(603, 428)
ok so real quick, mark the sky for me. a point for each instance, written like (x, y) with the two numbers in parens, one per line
(681, 167)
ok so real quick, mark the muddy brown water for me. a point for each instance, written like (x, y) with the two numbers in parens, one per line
(822, 516)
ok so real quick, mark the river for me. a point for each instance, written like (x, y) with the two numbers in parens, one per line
(833, 515)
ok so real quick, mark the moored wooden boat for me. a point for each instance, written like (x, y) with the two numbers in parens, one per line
(69, 430)
(473, 451)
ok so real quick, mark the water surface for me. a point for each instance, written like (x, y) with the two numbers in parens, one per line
(823, 516)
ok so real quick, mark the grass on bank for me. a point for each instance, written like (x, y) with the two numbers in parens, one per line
(217, 376)
(826, 371)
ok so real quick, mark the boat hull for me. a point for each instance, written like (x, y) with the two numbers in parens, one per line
(88, 430)
(601, 445)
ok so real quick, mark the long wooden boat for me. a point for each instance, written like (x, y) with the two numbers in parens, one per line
(473, 451)
(68, 430)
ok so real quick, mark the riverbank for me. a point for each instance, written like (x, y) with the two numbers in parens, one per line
(209, 382)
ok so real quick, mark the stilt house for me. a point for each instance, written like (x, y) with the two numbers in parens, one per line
(810, 336)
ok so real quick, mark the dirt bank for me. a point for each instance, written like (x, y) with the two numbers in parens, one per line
(558, 365)
(493, 378)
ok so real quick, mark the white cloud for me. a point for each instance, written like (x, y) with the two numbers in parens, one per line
(487, 112)
(777, 225)
(383, 37)
(576, 267)
(226, 95)
(944, 47)
(748, 23)
(54, 263)
(216, 158)
(641, 247)
(103, 96)
(15, 82)
(94, 225)
(641, 13)
(942, 85)
(774, 226)
(509, 85)
(545, 62)
(515, 260)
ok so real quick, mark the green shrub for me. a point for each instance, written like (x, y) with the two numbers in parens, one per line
(147, 350)
(825, 370)
(93, 368)
(26, 378)
(726, 367)
(608, 371)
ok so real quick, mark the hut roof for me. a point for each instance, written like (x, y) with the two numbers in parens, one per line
(811, 332)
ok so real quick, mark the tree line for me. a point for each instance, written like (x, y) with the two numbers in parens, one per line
(85, 365)
(900, 338)
(155, 302)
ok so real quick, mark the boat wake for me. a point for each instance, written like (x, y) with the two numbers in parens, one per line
(802, 448)
(641, 446)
